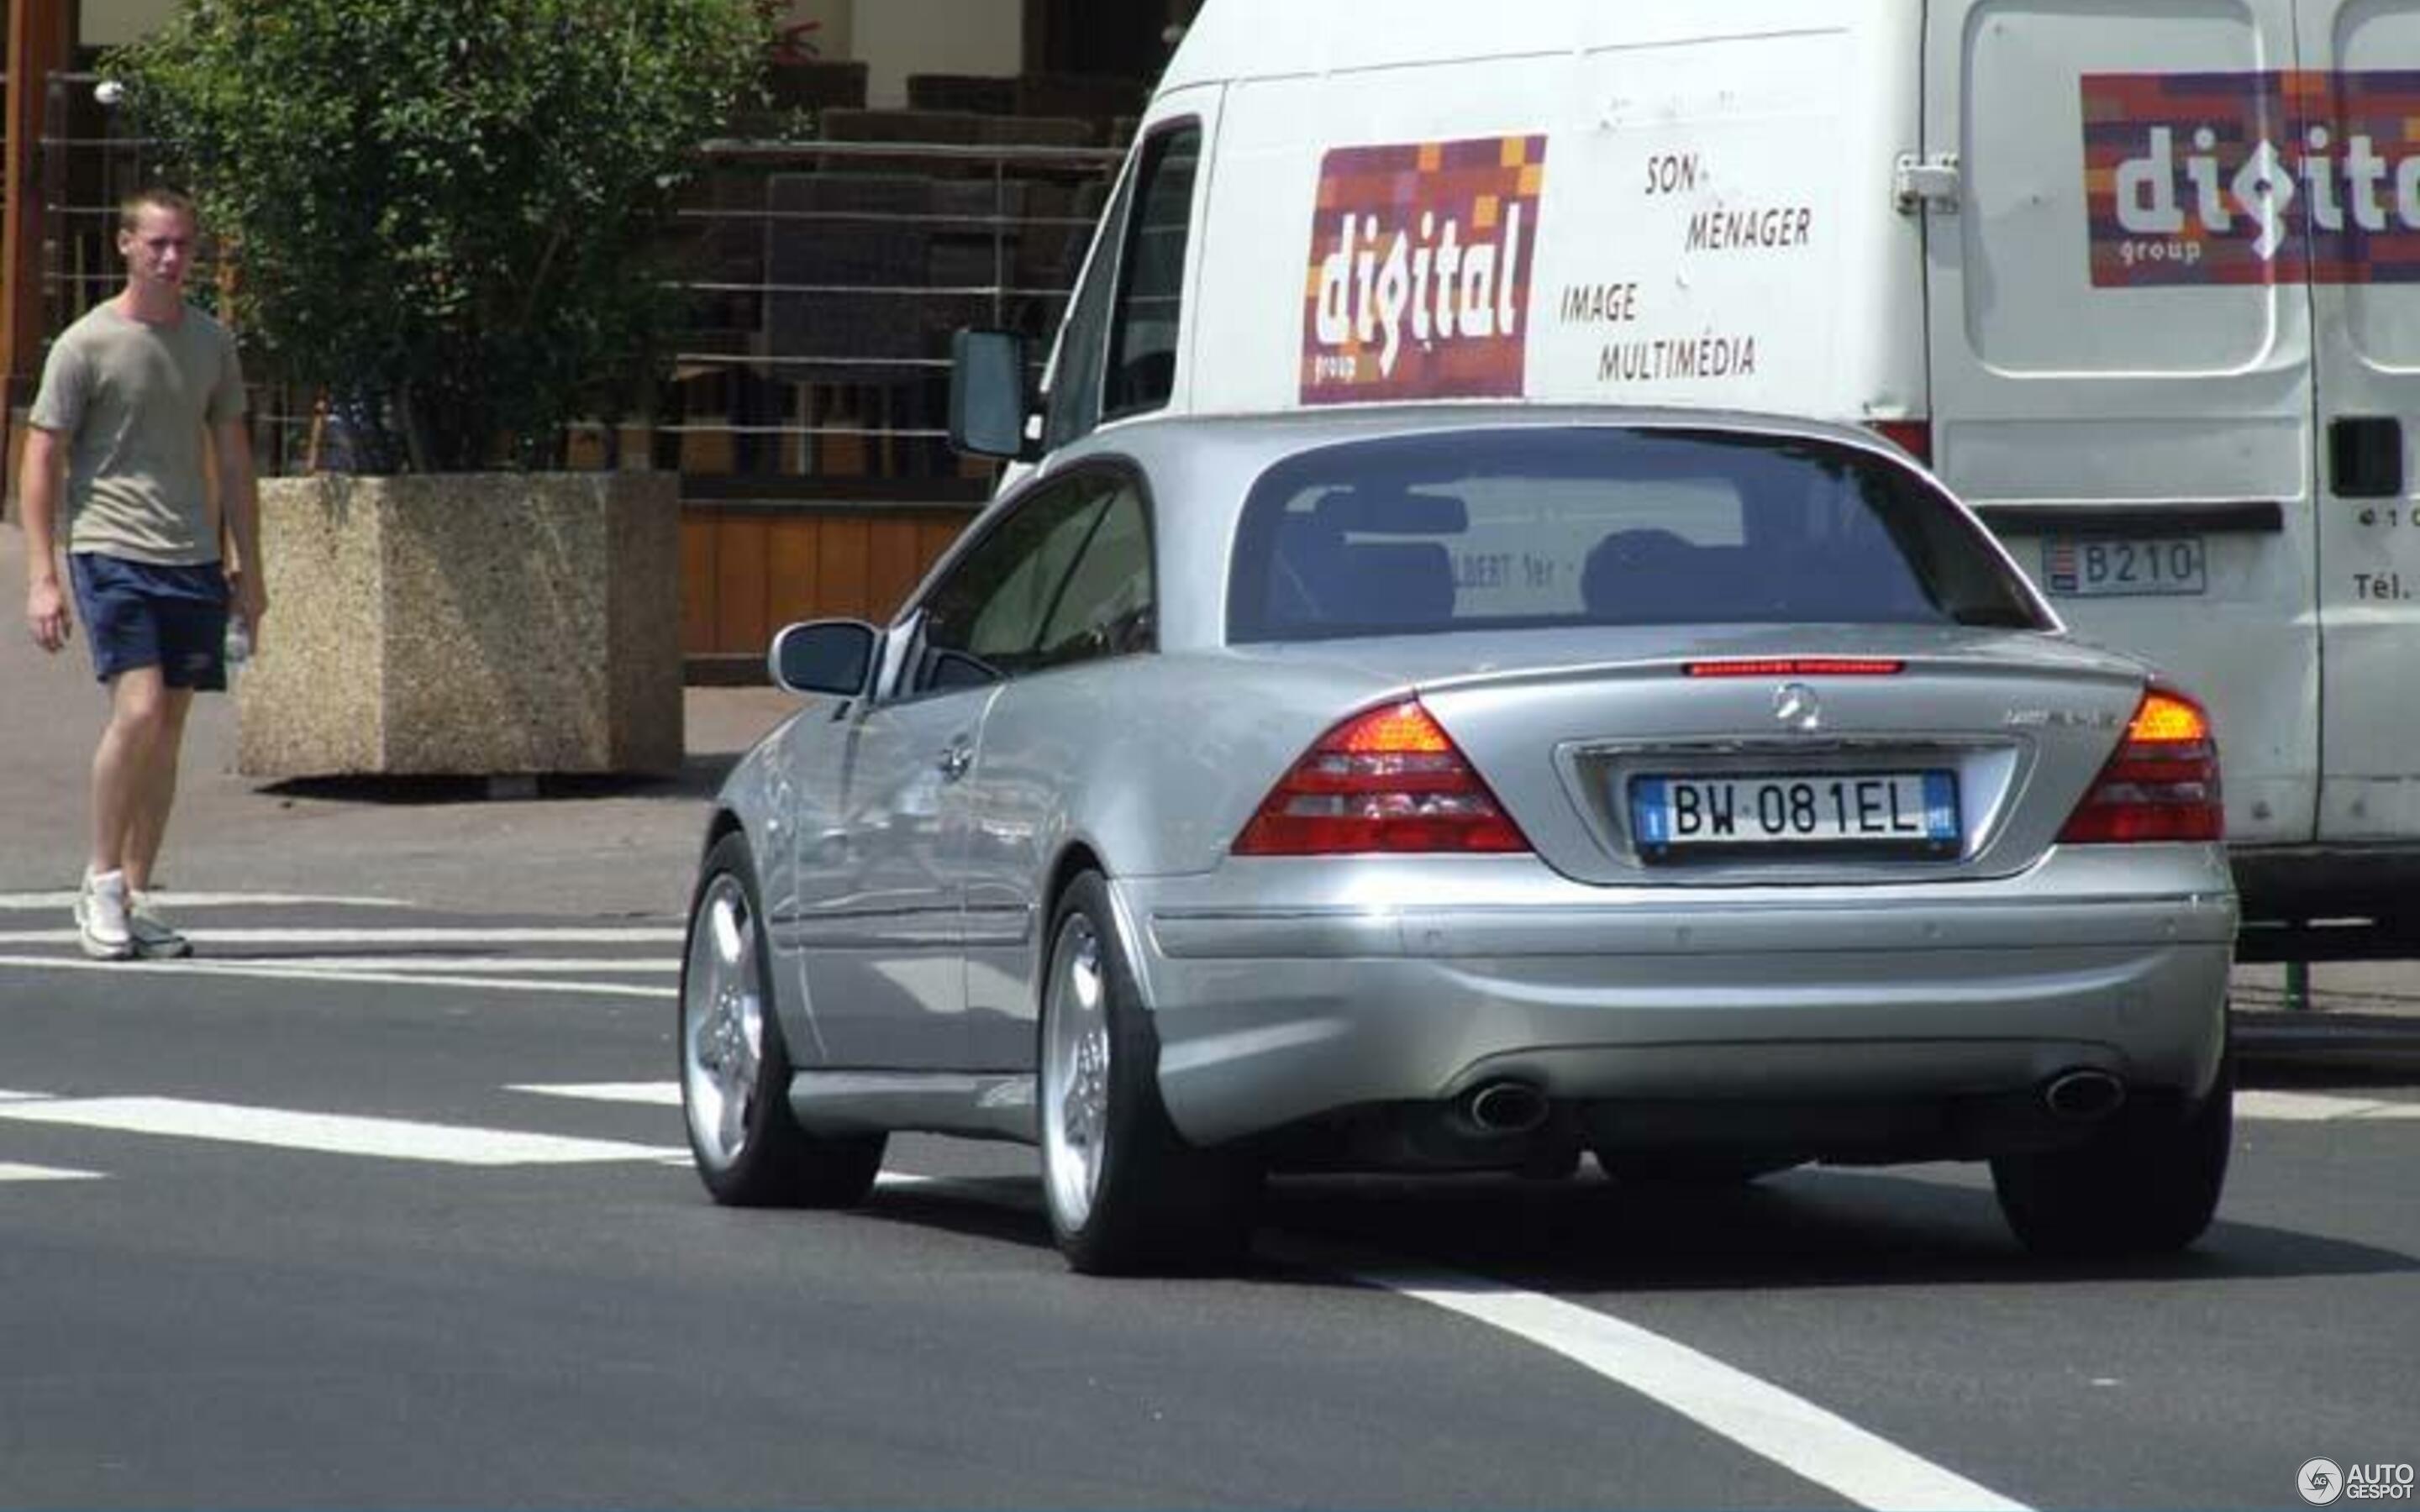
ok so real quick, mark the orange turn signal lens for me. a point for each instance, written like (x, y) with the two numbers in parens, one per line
(1405, 730)
(2165, 719)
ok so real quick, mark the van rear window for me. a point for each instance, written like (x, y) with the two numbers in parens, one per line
(1601, 525)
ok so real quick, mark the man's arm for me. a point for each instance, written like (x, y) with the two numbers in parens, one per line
(38, 491)
(239, 507)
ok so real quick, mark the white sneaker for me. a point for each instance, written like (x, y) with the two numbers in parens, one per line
(155, 938)
(100, 916)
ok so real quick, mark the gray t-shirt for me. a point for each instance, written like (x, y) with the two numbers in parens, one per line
(134, 401)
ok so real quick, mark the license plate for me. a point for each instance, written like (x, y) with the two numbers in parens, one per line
(2167, 564)
(1906, 811)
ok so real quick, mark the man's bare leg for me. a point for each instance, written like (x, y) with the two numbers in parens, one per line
(124, 767)
(148, 823)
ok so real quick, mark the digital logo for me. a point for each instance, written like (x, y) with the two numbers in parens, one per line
(2320, 1482)
(2273, 178)
(1419, 278)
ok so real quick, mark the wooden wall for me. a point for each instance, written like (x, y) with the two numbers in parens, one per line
(747, 572)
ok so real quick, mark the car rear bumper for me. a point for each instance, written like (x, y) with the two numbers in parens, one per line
(1382, 985)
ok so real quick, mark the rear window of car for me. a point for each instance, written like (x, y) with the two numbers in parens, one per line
(1599, 525)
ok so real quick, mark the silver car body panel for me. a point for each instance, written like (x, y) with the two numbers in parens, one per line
(1281, 988)
(1285, 988)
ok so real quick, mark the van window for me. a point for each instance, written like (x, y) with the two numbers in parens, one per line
(1511, 529)
(1151, 291)
(1074, 407)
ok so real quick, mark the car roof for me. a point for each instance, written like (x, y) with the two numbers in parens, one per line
(1269, 437)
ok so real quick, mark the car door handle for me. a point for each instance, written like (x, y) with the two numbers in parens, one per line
(954, 759)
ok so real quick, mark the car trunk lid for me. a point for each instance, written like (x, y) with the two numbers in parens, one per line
(1766, 756)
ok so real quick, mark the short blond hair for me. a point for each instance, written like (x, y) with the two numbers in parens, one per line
(158, 198)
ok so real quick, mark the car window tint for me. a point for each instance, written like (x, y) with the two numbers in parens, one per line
(984, 621)
(1105, 608)
(1597, 525)
(1151, 280)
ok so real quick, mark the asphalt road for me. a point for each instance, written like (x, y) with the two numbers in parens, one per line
(381, 1207)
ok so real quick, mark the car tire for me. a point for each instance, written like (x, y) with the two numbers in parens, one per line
(2146, 1185)
(735, 1066)
(1124, 1191)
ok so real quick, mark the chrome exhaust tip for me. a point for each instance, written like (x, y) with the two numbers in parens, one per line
(1506, 1108)
(2084, 1095)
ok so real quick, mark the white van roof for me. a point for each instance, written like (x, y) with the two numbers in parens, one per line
(1276, 38)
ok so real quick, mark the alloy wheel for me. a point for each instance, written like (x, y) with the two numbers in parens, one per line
(722, 1015)
(1075, 1071)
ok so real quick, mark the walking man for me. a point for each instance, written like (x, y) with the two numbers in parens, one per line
(128, 395)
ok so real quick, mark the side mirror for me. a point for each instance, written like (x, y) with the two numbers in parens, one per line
(833, 656)
(988, 402)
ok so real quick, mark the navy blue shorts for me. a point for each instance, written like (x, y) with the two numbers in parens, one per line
(136, 614)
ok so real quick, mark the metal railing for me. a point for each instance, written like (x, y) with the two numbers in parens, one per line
(825, 278)
(831, 275)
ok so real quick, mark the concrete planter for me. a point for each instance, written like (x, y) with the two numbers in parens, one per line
(473, 623)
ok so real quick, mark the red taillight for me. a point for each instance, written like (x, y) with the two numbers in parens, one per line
(2161, 785)
(1914, 436)
(1385, 781)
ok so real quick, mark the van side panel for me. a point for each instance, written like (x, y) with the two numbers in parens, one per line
(1710, 222)
(1260, 286)
(2367, 311)
(2129, 405)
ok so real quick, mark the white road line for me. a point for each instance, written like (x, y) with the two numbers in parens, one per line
(2287, 1108)
(327, 1133)
(1776, 1425)
(2315, 1107)
(43, 1173)
(40, 901)
(570, 934)
(1763, 1419)
(268, 971)
(650, 1094)
(494, 965)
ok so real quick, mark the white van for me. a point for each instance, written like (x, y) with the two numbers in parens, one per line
(2141, 279)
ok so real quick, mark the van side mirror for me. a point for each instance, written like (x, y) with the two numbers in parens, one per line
(833, 656)
(988, 402)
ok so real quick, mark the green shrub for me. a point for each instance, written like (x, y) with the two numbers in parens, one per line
(453, 209)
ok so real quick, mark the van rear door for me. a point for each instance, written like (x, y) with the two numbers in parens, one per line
(2124, 392)
(2358, 58)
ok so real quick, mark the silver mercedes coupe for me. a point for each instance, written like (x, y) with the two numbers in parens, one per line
(1465, 789)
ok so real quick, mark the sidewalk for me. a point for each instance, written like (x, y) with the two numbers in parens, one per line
(598, 847)
(584, 846)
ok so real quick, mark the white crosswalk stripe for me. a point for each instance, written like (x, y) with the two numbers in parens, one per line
(60, 901)
(395, 936)
(485, 965)
(365, 941)
(401, 1139)
(43, 1173)
(2256, 1106)
(438, 973)
(649, 1094)
(2315, 1107)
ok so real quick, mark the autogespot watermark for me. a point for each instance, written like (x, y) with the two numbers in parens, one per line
(2322, 1481)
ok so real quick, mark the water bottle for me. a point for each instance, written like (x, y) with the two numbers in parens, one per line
(238, 641)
